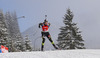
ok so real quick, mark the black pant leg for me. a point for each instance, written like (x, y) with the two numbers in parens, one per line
(43, 41)
(49, 37)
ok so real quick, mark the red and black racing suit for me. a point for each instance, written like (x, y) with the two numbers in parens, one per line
(45, 33)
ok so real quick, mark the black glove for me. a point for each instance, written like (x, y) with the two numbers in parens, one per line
(40, 25)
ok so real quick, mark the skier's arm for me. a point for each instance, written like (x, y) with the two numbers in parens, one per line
(40, 24)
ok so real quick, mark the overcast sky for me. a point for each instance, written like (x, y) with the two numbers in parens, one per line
(86, 14)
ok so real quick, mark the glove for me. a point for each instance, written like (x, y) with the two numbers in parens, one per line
(49, 24)
(40, 25)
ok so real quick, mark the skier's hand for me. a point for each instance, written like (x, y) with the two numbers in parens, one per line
(40, 25)
(49, 24)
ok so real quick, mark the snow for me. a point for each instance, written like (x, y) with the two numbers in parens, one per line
(54, 54)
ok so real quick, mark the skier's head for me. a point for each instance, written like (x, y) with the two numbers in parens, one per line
(45, 22)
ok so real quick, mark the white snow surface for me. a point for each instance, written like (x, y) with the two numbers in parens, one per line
(54, 54)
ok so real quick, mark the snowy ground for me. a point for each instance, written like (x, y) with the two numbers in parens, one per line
(54, 54)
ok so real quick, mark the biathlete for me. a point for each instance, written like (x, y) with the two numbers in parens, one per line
(45, 33)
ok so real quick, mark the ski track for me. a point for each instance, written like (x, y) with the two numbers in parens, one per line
(54, 54)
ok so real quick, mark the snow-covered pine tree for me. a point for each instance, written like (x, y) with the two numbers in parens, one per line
(14, 32)
(12, 25)
(11, 42)
(18, 44)
(4, 35)
(27, 44)
(70, 37)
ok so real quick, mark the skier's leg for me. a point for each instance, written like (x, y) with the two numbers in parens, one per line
(43, 40)
(49, 37)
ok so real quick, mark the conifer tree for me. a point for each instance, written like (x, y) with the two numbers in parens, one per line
(27, 44)
(69, 36)
(4, 35)
(16, 39)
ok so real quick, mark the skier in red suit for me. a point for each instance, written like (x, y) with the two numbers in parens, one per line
(45, 33)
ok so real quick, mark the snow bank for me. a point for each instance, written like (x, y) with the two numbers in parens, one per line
(54, 54)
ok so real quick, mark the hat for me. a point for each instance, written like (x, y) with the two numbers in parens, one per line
(45, 20)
